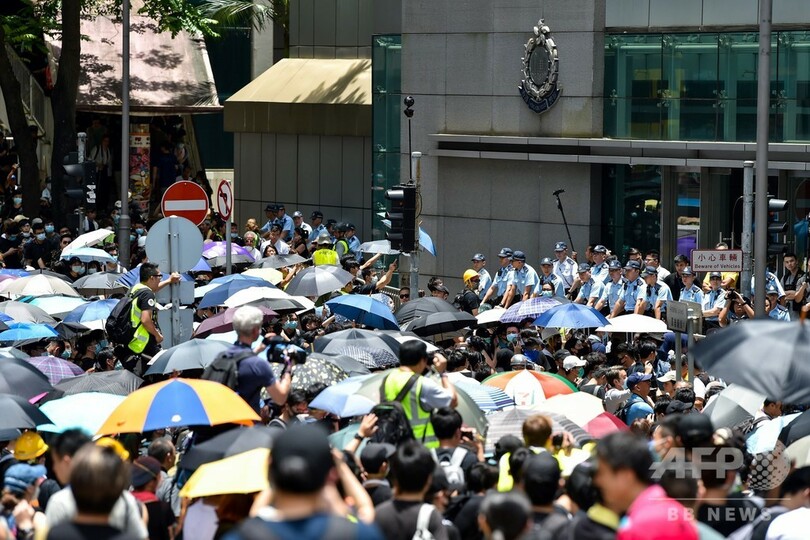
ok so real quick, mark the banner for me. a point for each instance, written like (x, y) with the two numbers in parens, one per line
(140, 183)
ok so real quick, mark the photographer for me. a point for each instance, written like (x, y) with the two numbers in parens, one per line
(737, 308)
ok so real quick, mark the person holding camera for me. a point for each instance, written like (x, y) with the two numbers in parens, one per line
(737, 308)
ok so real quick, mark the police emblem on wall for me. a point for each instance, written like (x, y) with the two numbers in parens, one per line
(539, 88)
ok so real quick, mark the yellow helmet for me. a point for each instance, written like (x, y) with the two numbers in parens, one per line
(469, 275)
(116, 446)
(29, 446)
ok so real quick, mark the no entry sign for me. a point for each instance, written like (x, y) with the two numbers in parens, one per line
(187, 200)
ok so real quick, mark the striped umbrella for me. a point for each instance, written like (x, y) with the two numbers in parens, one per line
(510, 422)
(488, 398)
(529, 388)
(530, 309)
(55, 368)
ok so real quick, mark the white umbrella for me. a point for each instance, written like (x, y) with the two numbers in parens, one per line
(40, 285)
(490, 317)
(378, 246)
(59, 305)
(88, 239)
(87, 254)
(252, 294)
(634, 323)
(268, 274)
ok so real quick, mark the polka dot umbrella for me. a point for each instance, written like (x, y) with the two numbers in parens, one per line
(313, 371)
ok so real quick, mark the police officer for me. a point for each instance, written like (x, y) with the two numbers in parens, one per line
(690, 292)
(285, 221)
(612, 290)
(351, 238)
(714, 301)
(775, 311)
(591, 290)
(653, 296)
(316, 224)
(485, 281)
(599, 270)
(496, 292)
(547, 276)
(270, 212)
(628, 296)
(564, 266)
(523, 280)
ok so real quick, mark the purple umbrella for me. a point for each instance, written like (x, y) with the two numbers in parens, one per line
(55, 368)
(214, 253)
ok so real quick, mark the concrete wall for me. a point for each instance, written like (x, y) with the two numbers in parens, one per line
(461, 61)
(695, 14)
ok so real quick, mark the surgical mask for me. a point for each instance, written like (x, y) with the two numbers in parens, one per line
(98, 348)
(41, 236)
(132, 237)
(91, 270)
(546, 293)
(581, 372)
(511, 337)
(139, 231)
(234, 235)
(103, 343)
(26, 235)
(48, 229)
(291, 325)
(77, 269)
(66, 354)
(653, 450)
(17, 200)
(12, 237)
(116, 219)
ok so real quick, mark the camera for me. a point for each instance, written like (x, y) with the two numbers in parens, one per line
(280, 352)
(409, 101)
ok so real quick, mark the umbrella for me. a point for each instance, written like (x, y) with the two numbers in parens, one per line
(272, 297)
(279, 261)
(16, 272)
(19, 414)
(69, 330)
(99, 283)
(403, 336)
(242, 473)
(348, 364)
(766, 435)
(178, 402)
(579, 407)
(372, 349)
(199, 292)
(227, 444)
(268, 274)
(223, 322)
(318, 280)
(86, 411)
(88, 239)
(192, 354)
(421, 307)
(23, 331)
(489, 317)
(20, 378)
(510, 422)
(732, 406)
(378, 246)
(426, 242)
(440, 323)
(11, 352)
(55, 369)
(797, 429)
(119, 382)
(313, 371)
(94, 311)
(218, 295)
(530, 309)
(736, 355)
(634, 323)
(230, 338)
(87, 254)
(55, 305)
(22, 312)
(363, 310)
(134, 276)
(343, 400)
(50, 273)
(40, 285)
(571, 316)
(215, 252)
(488, 398)
(604, 424)
(201, 266)
(529, 387)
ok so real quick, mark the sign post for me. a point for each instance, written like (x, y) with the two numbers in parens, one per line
(225, 209)
(682, 317)
(186, 200)
(717, 260)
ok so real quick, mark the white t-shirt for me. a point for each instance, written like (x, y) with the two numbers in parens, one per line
(201, 521)
(790, 526)
(126, 514)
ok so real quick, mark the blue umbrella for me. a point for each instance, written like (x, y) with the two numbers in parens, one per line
(364, 310)
(342, 399)
(22, 331)
(488, 398)
(93, 311)
(133, 276)
(218, 295)
(426, 242)
(201, 266)
(86, 411)
(55, 304)
(571, 316)
(15, 272)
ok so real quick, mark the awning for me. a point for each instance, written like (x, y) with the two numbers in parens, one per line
(307, 97)
(167, 75)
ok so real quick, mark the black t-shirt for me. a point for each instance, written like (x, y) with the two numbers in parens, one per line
(77, 531)
(33, 251)
(379, 491)
(397, 520)
(729, 517)
(467, 519)
(468, 301)
(467, 463)
(12, 260)
(161, 518)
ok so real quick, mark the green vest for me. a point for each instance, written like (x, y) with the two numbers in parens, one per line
(141, 337)
(324, 256)
(417, 416)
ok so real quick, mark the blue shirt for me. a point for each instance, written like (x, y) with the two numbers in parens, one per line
(266, 227)
(553, 280)
(714, 299)
(779, 313)
(600, 272)
(354, 244)
(639, 408)
(566, 270)
(525, 277)
(612, 292)
(692, 294)
(254, 374)
(309, 528)
(313, 236)
(287, 225)
(659, 291)
(501, 279)
(484, 283)
(590, 289)
(630, 294)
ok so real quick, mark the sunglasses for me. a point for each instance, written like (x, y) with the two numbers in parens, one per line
(404, 295)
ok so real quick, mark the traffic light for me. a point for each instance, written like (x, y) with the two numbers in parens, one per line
(777, 226)
(80, 179)
(402, 215)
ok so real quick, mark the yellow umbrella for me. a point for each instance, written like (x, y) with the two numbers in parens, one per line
(268, 274)
(242, 473)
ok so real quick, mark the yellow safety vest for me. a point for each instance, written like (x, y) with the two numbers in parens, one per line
(141, 337)
(418, 417)
(324, 256)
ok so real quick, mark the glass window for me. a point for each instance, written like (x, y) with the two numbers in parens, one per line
(632, 208)
(687, 217)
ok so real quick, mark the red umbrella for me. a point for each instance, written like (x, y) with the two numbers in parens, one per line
(604, 424)
(223, 322)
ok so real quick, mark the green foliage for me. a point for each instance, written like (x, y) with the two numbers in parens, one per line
(245, 12)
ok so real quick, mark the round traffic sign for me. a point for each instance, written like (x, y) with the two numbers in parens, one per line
(224, 199)
(175, 244)
(187, 200)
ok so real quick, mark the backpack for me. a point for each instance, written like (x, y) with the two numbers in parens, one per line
(393, 426)
(452, 466)
(458, 301)
(118, 326)
(225, 368)
(622, 412)
(423, 522)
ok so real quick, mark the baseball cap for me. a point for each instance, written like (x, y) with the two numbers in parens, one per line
(442, 288)
(584, 267)
(21, 475)
(669, 376)
(375, 454)
(298, 214)
(614, 265)
(677, 406)
(505, 252)
(351, 227)
(144, 469)
(478, 257)
(687, 271)
(650, 271)
(715, 274)
(560, 246)
(599, 248)
(316, 214)
(636, 378)
(36, 221)
(695, 429)
(572, 362)
(519, 256)
(301, 459)
(633, 265)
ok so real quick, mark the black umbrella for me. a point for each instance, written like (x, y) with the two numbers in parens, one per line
(70, 330)
(348, 364)
(232, 442)
(421, 307)
(440, 323)
(100, 283)
(313, 371)
(22, 312)
(119, 382)
(279, 261)
(20, 378)
(797, 429)
(191, 354)
(19, 414)
(373, 349)
(767, 356)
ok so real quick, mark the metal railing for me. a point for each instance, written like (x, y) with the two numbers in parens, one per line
(32, 95)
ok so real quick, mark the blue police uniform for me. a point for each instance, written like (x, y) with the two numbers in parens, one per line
(287, 225)
(313, 236)
(714, 299)
(659, 291)
(484, 283)
(566, 271)
(501, 280)
(779, 313)
(553, 280)
(600, 272)
(525, 277)
(354, 245)
(692, 294)
(612, 292)
(629, 294)
(590, 289)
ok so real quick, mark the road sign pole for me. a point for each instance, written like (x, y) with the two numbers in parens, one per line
(174, 265)
(747, 227)
(678, 354)
(228, 245)
(690, 356)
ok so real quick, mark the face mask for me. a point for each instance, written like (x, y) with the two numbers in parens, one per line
(116, 219)
(98, 348)
(131, 237)
(511, 337)
(234, 235)
(581, 372)
(65, 354)
(103, 343)
(547, 294)
(48, 229)
(41, 236)
(291, 325)
(139, 231)
(653, 450)
(12, 237)
(77, 269)
(17, 201)
(26, 235)
(91, 270)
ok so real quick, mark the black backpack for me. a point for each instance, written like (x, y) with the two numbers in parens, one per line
(621, 413)
(393, 426)
(225, 368)
(118, 326)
